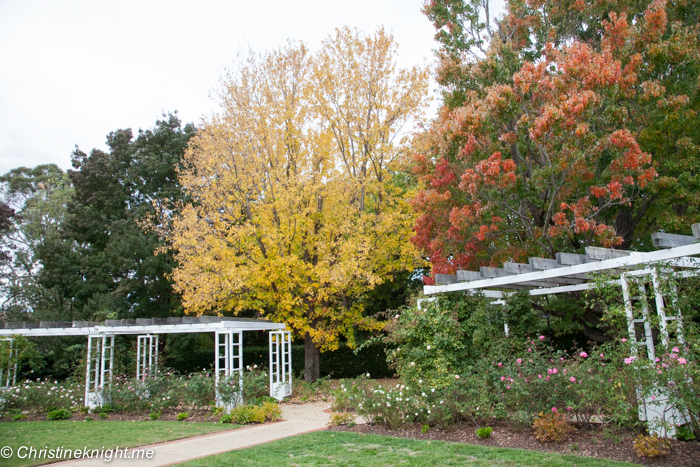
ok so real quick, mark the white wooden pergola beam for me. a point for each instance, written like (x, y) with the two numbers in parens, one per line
(592, 285)
(145, 329)
(622, 261)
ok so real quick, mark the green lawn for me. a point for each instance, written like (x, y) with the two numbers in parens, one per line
(327, 448)
(95, 434)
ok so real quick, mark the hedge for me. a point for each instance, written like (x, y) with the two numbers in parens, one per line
(341, 363)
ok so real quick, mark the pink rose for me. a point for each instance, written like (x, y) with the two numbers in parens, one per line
(519, 360)
(583, 354)
(624, 340)
(572, 379)
(500, 364)
(554, 409)
(541, 338)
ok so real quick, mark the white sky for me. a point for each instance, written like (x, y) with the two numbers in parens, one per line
(71, 71)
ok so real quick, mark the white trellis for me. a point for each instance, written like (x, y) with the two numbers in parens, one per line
(8, 373)
(100, 365)
(572, 272)
(654, 408)
(146, 355)
(280, 364)
(228, 362)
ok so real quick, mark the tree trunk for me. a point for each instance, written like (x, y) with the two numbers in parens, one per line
(312, 360)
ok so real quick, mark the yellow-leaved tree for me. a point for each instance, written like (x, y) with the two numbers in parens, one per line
(297, 209)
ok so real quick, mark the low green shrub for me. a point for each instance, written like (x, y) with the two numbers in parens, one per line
(103, 409)
(341, 418)
(684, 433)
(154, 415)
(244, 414)
(59, 414)
(650, 446)
(19, 416)
(484, 432)
(182, 415)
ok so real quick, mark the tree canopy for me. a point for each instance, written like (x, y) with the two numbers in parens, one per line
(563, 125)
(297, 208)
(79, 244)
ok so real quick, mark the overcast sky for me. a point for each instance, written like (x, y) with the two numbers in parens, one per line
(72, 71)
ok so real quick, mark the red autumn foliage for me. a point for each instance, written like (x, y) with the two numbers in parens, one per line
(548, 136)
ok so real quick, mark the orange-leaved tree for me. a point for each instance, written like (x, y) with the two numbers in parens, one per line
(297, 208)
(564, 124)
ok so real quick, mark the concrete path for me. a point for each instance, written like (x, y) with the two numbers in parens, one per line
(296, 419)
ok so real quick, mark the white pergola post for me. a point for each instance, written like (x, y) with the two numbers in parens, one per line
(146, 355)
(654, 408)
(92, 371)
(8, 375)
(99, 368)
(107, 361)
(280, 364)
(228, 359)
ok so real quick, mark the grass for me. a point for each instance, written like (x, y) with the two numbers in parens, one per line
(328, 448)
(95, 434)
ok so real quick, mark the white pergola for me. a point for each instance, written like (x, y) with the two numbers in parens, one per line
(8, 373)
(228, 347)
(574, 272)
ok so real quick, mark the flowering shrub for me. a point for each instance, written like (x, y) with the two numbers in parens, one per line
(436, 342)
(519, 379)
(456, 347)
(255, 383)
(163, 390)
(152, 394)
(43, 395)
(402, 405)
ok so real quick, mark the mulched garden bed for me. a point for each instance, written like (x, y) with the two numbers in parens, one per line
(594, 442)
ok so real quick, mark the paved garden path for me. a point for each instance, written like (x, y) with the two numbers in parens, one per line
(296, 419)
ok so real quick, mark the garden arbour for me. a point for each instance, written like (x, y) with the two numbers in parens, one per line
(228, 349)
(646, 282)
